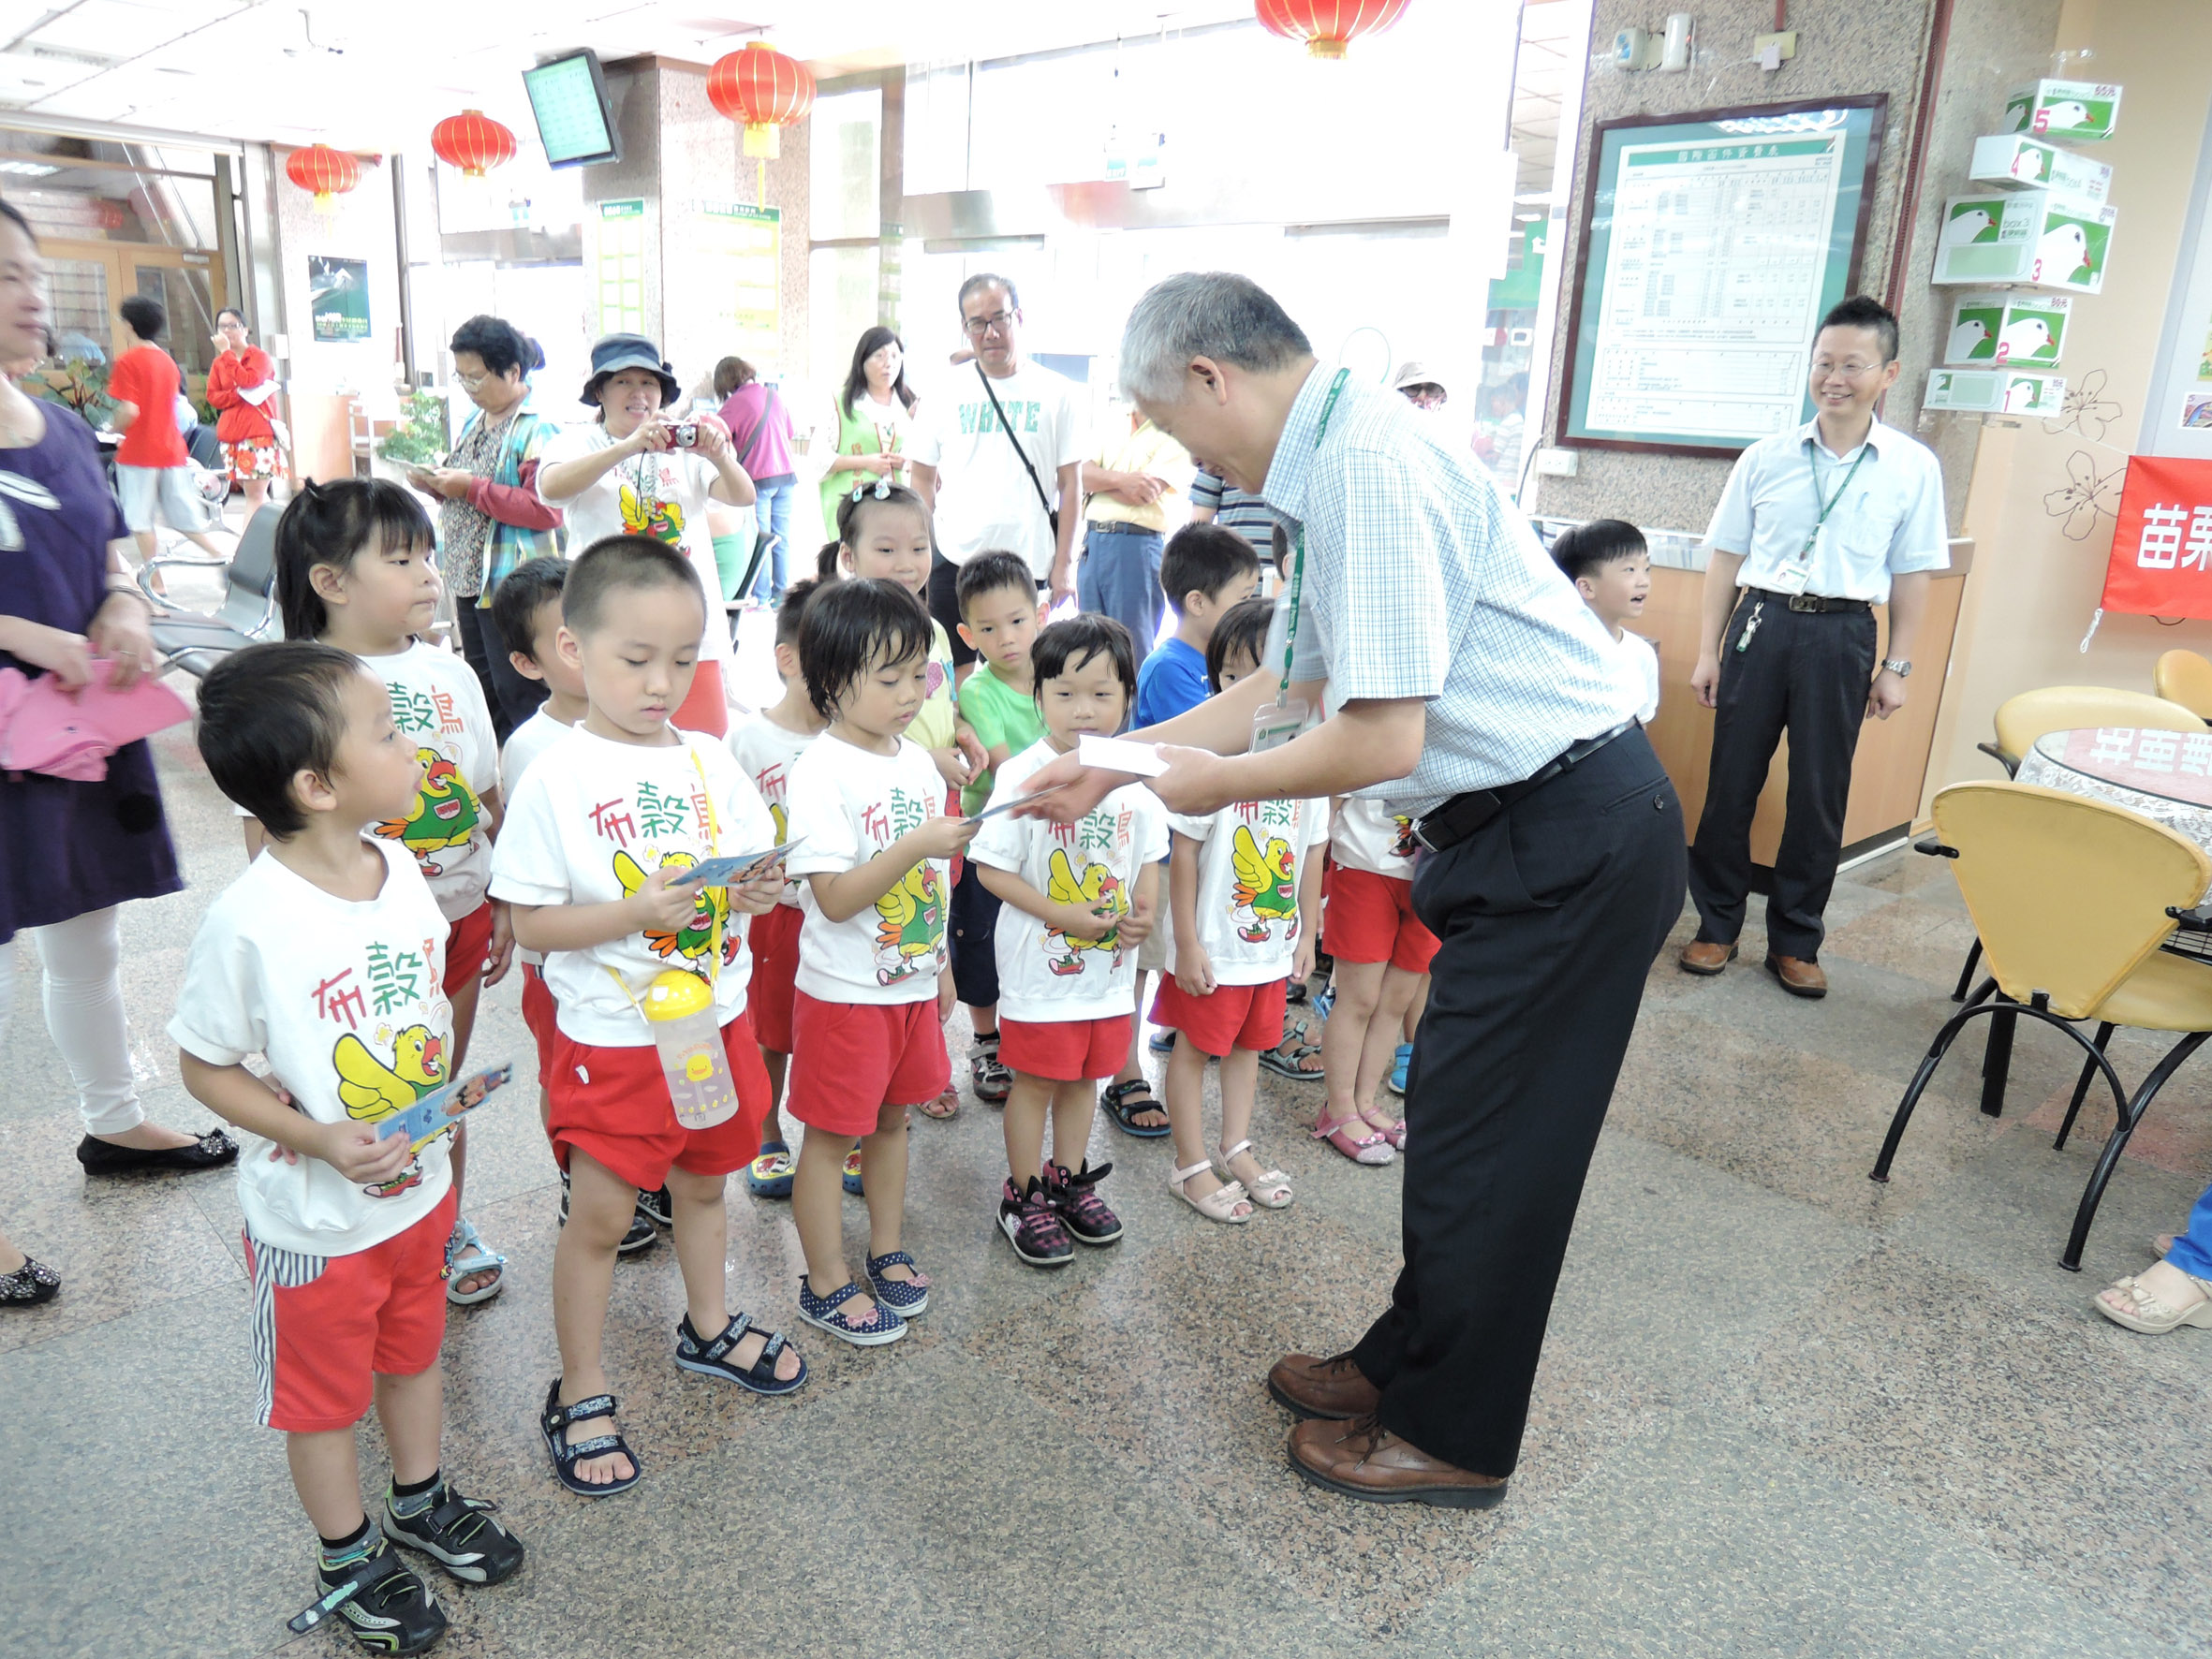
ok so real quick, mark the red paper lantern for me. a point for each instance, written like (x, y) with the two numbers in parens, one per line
(1328, 27)
(472, 141)
(323, 170)
(765, 89)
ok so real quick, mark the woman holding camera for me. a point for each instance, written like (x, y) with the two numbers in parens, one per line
(635, 472)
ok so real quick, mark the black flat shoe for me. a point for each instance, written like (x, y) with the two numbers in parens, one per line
(211, 1151)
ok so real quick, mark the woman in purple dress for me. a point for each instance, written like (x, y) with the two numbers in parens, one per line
(71, 852)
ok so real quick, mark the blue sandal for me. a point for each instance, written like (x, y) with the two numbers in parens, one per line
(709, 1358)
(769, 1176)
(882, 1327)
(906, 1297)
(1399, 1062)
(467, 1258)
(554, 1423)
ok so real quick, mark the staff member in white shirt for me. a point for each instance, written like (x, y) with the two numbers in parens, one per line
(1818, 525)
(1481, 695)
(999, 459)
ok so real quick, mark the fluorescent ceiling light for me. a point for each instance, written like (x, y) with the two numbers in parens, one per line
(29, 169)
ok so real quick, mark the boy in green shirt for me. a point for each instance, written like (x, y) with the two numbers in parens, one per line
(998, 595)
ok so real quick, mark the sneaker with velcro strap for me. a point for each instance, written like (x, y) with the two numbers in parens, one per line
(381, 1604)
(461, 1535)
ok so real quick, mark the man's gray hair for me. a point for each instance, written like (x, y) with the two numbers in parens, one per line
(986, 279)
(1213, 314)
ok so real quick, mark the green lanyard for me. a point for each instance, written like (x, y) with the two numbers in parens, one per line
(1829, 505)
(1282, 691)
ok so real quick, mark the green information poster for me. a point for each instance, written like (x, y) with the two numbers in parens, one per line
(619, 266)
(742, 246)
(338, 298)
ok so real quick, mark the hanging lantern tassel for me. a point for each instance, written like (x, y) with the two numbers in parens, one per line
(762, 87)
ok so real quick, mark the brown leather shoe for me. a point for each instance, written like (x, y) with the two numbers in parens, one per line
(1364, 1459)
(1706, 958)
(1799, 978)
(1335, 1388)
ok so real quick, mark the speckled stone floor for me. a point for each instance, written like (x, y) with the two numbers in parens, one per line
(1783, 1410)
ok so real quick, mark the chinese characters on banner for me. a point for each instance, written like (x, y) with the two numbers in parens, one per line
(2175, 765)
(2161, 547)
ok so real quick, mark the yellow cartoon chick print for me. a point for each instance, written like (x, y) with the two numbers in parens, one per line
(1266, 888)
(1098, 890)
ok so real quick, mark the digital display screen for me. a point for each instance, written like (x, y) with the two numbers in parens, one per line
(569, 97)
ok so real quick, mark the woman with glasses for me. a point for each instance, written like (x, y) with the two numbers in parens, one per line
(242, 384)
(491, 518)
(873, 417)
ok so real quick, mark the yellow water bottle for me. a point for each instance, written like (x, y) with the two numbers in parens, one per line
(680, 1008)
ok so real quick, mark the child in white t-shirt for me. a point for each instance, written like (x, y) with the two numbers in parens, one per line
(594, 860)
(1079, 899)
(1610, 565)
(526, 618)
(1245, 884)
(767, 746)
(326, 957)
(867, 810)
(356, 567)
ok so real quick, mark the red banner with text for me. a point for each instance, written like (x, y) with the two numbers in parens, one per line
(2161, 547)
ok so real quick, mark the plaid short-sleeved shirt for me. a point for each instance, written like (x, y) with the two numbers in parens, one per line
(1422, 582)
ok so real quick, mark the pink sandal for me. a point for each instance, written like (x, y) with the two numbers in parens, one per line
(1373, 1148)
(1394, 1134)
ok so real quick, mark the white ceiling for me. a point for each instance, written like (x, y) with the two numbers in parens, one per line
(376, 77)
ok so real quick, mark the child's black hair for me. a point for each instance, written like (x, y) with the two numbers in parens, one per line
(986, 573)
(267, 713)
(790, 611)
(528, 589)
(1069, 644)
(1243, 628)
(334, 525)
(1584, 549)
(1203, 559)
(851, 627)
(615, 562)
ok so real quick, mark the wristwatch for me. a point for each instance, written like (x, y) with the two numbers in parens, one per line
(1900, 668)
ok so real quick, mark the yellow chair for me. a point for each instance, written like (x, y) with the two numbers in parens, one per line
(2186, 678)
(2073, 899)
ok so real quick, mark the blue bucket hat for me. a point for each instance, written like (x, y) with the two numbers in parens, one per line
(617, 352)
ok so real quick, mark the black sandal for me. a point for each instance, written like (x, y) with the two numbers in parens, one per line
(211, 1151)
(1119, 1107)
(554, 1423)
(694, 1353)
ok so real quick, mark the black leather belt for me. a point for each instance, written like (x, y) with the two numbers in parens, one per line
(1119, 527)
(1463, 814)
(1815, 603)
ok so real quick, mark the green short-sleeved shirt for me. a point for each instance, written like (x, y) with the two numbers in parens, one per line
(1000, 714)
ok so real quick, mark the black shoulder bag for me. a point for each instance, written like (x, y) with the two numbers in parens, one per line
(1037, 483)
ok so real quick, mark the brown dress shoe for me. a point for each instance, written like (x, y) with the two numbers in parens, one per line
(1799, 978)
(1706, 958)
(1364, 1459)
(1335, 1389)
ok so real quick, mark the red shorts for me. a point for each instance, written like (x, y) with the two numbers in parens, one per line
(538, 1014)
(1235, 1015)
(1066, 1050)
(774, 942)
(326, 1327)
(614, 1104)
(704, 708)
(469, 941)
(1370, 920)
(851, 1059)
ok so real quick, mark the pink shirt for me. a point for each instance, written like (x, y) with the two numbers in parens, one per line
(769, 454)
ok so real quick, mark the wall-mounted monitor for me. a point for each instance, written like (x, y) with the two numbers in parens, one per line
(575, 119)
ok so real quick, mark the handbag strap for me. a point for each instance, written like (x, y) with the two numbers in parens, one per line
(746, 449)
(1035, 483)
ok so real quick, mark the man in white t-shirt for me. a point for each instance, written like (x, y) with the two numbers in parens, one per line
(998, 458)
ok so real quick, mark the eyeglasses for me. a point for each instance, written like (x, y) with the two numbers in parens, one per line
(1851, 371)
(470, 382)
(996, 323)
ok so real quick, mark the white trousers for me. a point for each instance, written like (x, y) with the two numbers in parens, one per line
(83, 958)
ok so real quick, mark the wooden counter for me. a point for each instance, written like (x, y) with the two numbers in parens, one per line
(1893, 756)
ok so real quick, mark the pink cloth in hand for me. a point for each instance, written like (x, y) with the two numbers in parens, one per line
(70, 734)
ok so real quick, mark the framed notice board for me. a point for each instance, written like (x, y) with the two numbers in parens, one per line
(1712, 245)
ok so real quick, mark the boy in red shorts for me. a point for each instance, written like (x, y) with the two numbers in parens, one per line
(767, 746)
(1080, 900)
(327, 956)
(1244, 888)
(594, 859)
(867, 809)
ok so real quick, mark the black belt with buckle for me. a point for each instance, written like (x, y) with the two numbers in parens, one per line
(1815, 603)
(1463, 814)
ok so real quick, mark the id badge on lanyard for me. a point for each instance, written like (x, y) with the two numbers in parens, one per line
(1794, 575)
(1276, 723)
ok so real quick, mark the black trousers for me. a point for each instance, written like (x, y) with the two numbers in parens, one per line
(975, 941)
(512, 698)
(1550, 917)
(1806, 673)
(944, 605)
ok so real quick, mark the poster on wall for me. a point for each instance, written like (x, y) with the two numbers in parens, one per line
(1711, 245)
(2177, 418)
(618, 266)
(338, 298)
(741, 247)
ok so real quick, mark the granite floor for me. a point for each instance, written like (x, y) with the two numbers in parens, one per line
(1782, 1411)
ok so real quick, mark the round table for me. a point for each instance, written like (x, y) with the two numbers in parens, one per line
(2166, 776)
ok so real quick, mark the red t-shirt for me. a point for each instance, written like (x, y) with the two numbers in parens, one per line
(147, 375)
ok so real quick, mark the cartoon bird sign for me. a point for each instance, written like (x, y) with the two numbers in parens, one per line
(1098, 890)
(1266, 888)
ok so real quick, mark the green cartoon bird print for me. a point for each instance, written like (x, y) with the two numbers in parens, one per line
(1266, 888)
(1098, 890)
(694, 942)
(911, 925)
(446, 813)
(640, 516)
